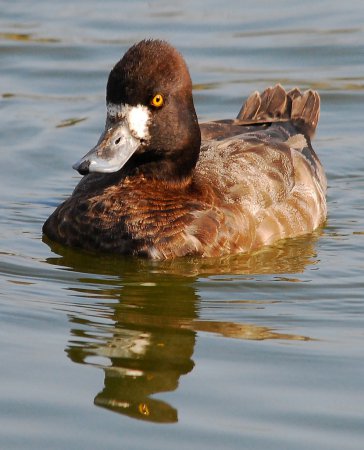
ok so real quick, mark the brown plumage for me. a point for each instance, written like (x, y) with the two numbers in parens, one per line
(257, 178)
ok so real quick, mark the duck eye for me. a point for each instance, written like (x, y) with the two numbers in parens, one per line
(157, 100)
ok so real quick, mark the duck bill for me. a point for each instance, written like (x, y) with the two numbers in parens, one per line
(114, 148)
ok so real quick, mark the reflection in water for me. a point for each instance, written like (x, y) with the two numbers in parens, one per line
(144, 319)
(145, 341)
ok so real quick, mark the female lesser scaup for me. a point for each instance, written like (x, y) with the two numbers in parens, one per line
(153, 188)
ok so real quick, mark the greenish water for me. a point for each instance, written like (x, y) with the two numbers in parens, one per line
(248, 352)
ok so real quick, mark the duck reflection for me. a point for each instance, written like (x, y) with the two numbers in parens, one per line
(146, 343)
(141, 325)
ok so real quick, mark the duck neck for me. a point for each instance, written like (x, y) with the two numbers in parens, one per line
(178, 167)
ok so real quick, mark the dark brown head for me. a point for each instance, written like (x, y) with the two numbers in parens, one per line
(151, 122)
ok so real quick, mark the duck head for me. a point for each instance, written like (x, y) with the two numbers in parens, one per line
(151, 123)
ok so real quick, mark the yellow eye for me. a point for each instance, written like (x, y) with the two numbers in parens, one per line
(143, 409)
(157, 100)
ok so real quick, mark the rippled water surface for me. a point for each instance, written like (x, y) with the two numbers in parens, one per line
(247, 352)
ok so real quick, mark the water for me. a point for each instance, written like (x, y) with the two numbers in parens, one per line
(254, 352)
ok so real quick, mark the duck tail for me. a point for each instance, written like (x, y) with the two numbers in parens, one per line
(277, 105)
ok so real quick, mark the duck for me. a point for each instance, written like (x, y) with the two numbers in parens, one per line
(160, 185)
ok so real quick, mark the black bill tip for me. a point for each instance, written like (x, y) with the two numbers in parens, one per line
(83, 167)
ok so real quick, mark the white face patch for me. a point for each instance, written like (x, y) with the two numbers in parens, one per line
(137, 118)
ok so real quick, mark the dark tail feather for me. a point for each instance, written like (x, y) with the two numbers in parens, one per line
(277, 105)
